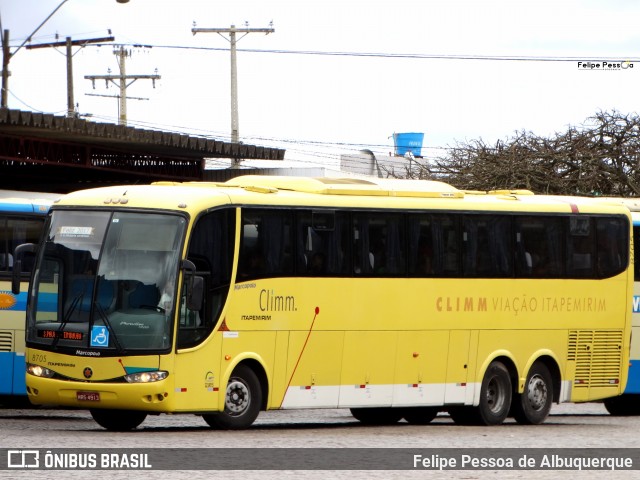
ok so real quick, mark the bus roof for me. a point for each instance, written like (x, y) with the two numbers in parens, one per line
(350, 186)
(327, 192)
(632, 204)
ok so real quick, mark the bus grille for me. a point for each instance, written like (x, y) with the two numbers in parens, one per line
(598, 357)
(6, 341)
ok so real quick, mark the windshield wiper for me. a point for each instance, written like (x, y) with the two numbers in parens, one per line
(77, 300)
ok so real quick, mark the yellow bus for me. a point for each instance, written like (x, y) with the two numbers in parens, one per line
(393, 298)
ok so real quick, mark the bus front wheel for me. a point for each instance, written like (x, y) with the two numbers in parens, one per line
(533, 406)
(118, 420)
(243, 398)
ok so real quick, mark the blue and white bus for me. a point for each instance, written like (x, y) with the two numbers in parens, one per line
(629, 402)
(22, 217)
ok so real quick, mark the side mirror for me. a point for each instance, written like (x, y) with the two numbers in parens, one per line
(17, 265)
(195, 294)
(194, 286)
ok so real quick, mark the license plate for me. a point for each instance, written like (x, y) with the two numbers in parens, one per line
(88, 396)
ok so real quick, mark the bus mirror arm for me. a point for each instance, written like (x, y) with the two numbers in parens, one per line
(188, 266)
(17, 265)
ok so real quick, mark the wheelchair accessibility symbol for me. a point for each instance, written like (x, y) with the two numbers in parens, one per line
(99, 337)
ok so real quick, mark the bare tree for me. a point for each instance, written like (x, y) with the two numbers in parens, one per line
(600, 157)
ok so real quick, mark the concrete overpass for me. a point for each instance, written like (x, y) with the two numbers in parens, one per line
(49, 153)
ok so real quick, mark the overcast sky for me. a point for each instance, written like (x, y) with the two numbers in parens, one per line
(294, 95)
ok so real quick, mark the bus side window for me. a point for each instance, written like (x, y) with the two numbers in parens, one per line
(487, 246)
(530, 247)
(475, 246)
(538, 247)
(445, 233)
(393, 252)
(580, 247)
(321, 243)
(266, 246)
(363, 258)
(421, 252)
(611, 246)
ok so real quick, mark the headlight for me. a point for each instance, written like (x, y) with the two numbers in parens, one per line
(146, 377)
(39, 371)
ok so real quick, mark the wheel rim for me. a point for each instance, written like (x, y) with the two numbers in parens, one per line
(537, 392)
(496, 395)
(238, 397)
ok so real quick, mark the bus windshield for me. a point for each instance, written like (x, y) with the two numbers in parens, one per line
(106, 281)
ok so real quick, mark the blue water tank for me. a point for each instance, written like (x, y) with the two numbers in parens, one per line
(408, 142)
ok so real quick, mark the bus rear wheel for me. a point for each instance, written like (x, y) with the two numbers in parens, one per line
(118, 420)
(243, 398)
(377, 416)
(533, 406)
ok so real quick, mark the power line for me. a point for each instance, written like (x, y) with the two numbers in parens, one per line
(416, 56)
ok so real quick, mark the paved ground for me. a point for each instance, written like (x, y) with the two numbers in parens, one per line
(569, 426)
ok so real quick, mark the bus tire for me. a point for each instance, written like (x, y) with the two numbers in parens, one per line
(533, 405)
(626, 405)
(495, 395)
(420, 415)
(118, 420)
(242, 402)
(377, 416)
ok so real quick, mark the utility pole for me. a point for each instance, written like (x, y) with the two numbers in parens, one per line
(68, 43)
(6, 56)
(121, 82)
(233, 31)
(6, 52)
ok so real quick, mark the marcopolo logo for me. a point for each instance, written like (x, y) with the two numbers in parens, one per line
(601, 65)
